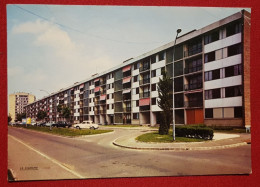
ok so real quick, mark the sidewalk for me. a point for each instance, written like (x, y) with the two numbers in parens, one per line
(220, 141)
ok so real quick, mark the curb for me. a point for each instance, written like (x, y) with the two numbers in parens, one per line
(181, 148)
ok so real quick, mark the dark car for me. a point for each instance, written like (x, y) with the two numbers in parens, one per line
(61, 124)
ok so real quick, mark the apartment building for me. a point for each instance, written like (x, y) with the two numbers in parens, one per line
(17, 102)
(210, 69)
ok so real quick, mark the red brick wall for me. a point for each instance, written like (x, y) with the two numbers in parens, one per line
(246, 59)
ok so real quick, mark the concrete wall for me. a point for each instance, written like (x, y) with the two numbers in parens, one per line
(224, 122)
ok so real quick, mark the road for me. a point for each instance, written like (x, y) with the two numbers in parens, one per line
(38, 156)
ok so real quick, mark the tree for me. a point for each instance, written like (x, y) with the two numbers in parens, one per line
(19, 117)
(41, 115)
(9, 118)
(165, 102)
(66, 112)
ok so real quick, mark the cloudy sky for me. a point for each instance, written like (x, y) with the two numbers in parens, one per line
(51, 47)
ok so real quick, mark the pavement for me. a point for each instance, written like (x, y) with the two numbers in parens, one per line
(220, 141)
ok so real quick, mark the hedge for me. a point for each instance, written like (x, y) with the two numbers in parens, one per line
(194, 132)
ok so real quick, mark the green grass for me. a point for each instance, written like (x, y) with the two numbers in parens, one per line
(66, 131)
(156, 137)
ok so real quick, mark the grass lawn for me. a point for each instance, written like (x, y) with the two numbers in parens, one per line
(156, 137)
(66, 131)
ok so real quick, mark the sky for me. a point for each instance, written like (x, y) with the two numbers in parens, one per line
(51, 47)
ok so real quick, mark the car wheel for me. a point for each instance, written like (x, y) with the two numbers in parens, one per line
(77, 127)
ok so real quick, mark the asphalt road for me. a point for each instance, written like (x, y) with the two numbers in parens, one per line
(38, 156)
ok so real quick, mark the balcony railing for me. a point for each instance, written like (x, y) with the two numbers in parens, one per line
(144, 68)
(144, 81)
(144, 94)
(193, 51)
(144, 108)
(127, 109)
(192, 69)
(125, 98)
(189, 104)
(193, 86)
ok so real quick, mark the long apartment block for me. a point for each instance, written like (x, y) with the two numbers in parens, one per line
(210, 69)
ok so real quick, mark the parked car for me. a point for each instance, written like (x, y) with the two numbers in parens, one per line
(61, 124)
(49, 124)
(41, 124)
(86, 125)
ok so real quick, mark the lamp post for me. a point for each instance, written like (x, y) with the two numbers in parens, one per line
(173, 113)
(45, 91)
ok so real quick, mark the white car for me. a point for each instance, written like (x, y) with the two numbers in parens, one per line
(86, 125)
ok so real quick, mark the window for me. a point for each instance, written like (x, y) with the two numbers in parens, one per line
(233, 28)
(209, 57)
(233, 70)
(112, 96)
(154, 87)
(161, 56)
(136, 66)
(238, 112)
(212, 75)
(153, 59)
(112, 106)
(107, 107)
(135, 115)
(137, 103)
(234, 49)
(212, 37)
(107, 96)
(233, 91)
(153, 73)
(213, 94)
(209, 113)
(136, 78)
(137, 91)
(154, 101)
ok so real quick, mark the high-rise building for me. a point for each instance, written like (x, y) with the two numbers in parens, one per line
(210, 69)
(17, 102)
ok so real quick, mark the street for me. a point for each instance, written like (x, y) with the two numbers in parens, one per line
(37, 156)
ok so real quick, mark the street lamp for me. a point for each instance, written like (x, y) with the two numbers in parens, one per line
(173, 113)
(45, 91)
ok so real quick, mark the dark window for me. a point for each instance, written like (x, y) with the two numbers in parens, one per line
(238, 112)
(212, 75)
(194, 47)
(233, 91)
(112, 106)
(107, 96)
(213, 94)
(209, 113)
(136, 66)
(233, 28)
(135, 115)
(136, 78)
(107, 107)
(112, 96)
(233, 70)
(153, 101)
(153, 87)
(161, 56)
(153, 73)
(209, 57)
(137, 103)
(212, 37)
(234, 49)
(137, 91)
(153, 59)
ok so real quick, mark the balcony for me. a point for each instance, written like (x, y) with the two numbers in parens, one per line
(144, 68)
(144, 94)
(192, 69)
(97, 102)
(102, 111)
(189, 104)
(102, 102)
(144, 81)
(193, 86)
(144, 108)
(127, 109)
(97, 112)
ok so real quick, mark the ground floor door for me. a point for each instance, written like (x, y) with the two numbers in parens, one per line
(194, 116)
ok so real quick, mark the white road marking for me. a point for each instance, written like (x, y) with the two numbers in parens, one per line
(49, 158)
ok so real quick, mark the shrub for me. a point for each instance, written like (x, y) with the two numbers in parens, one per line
(193, 131)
